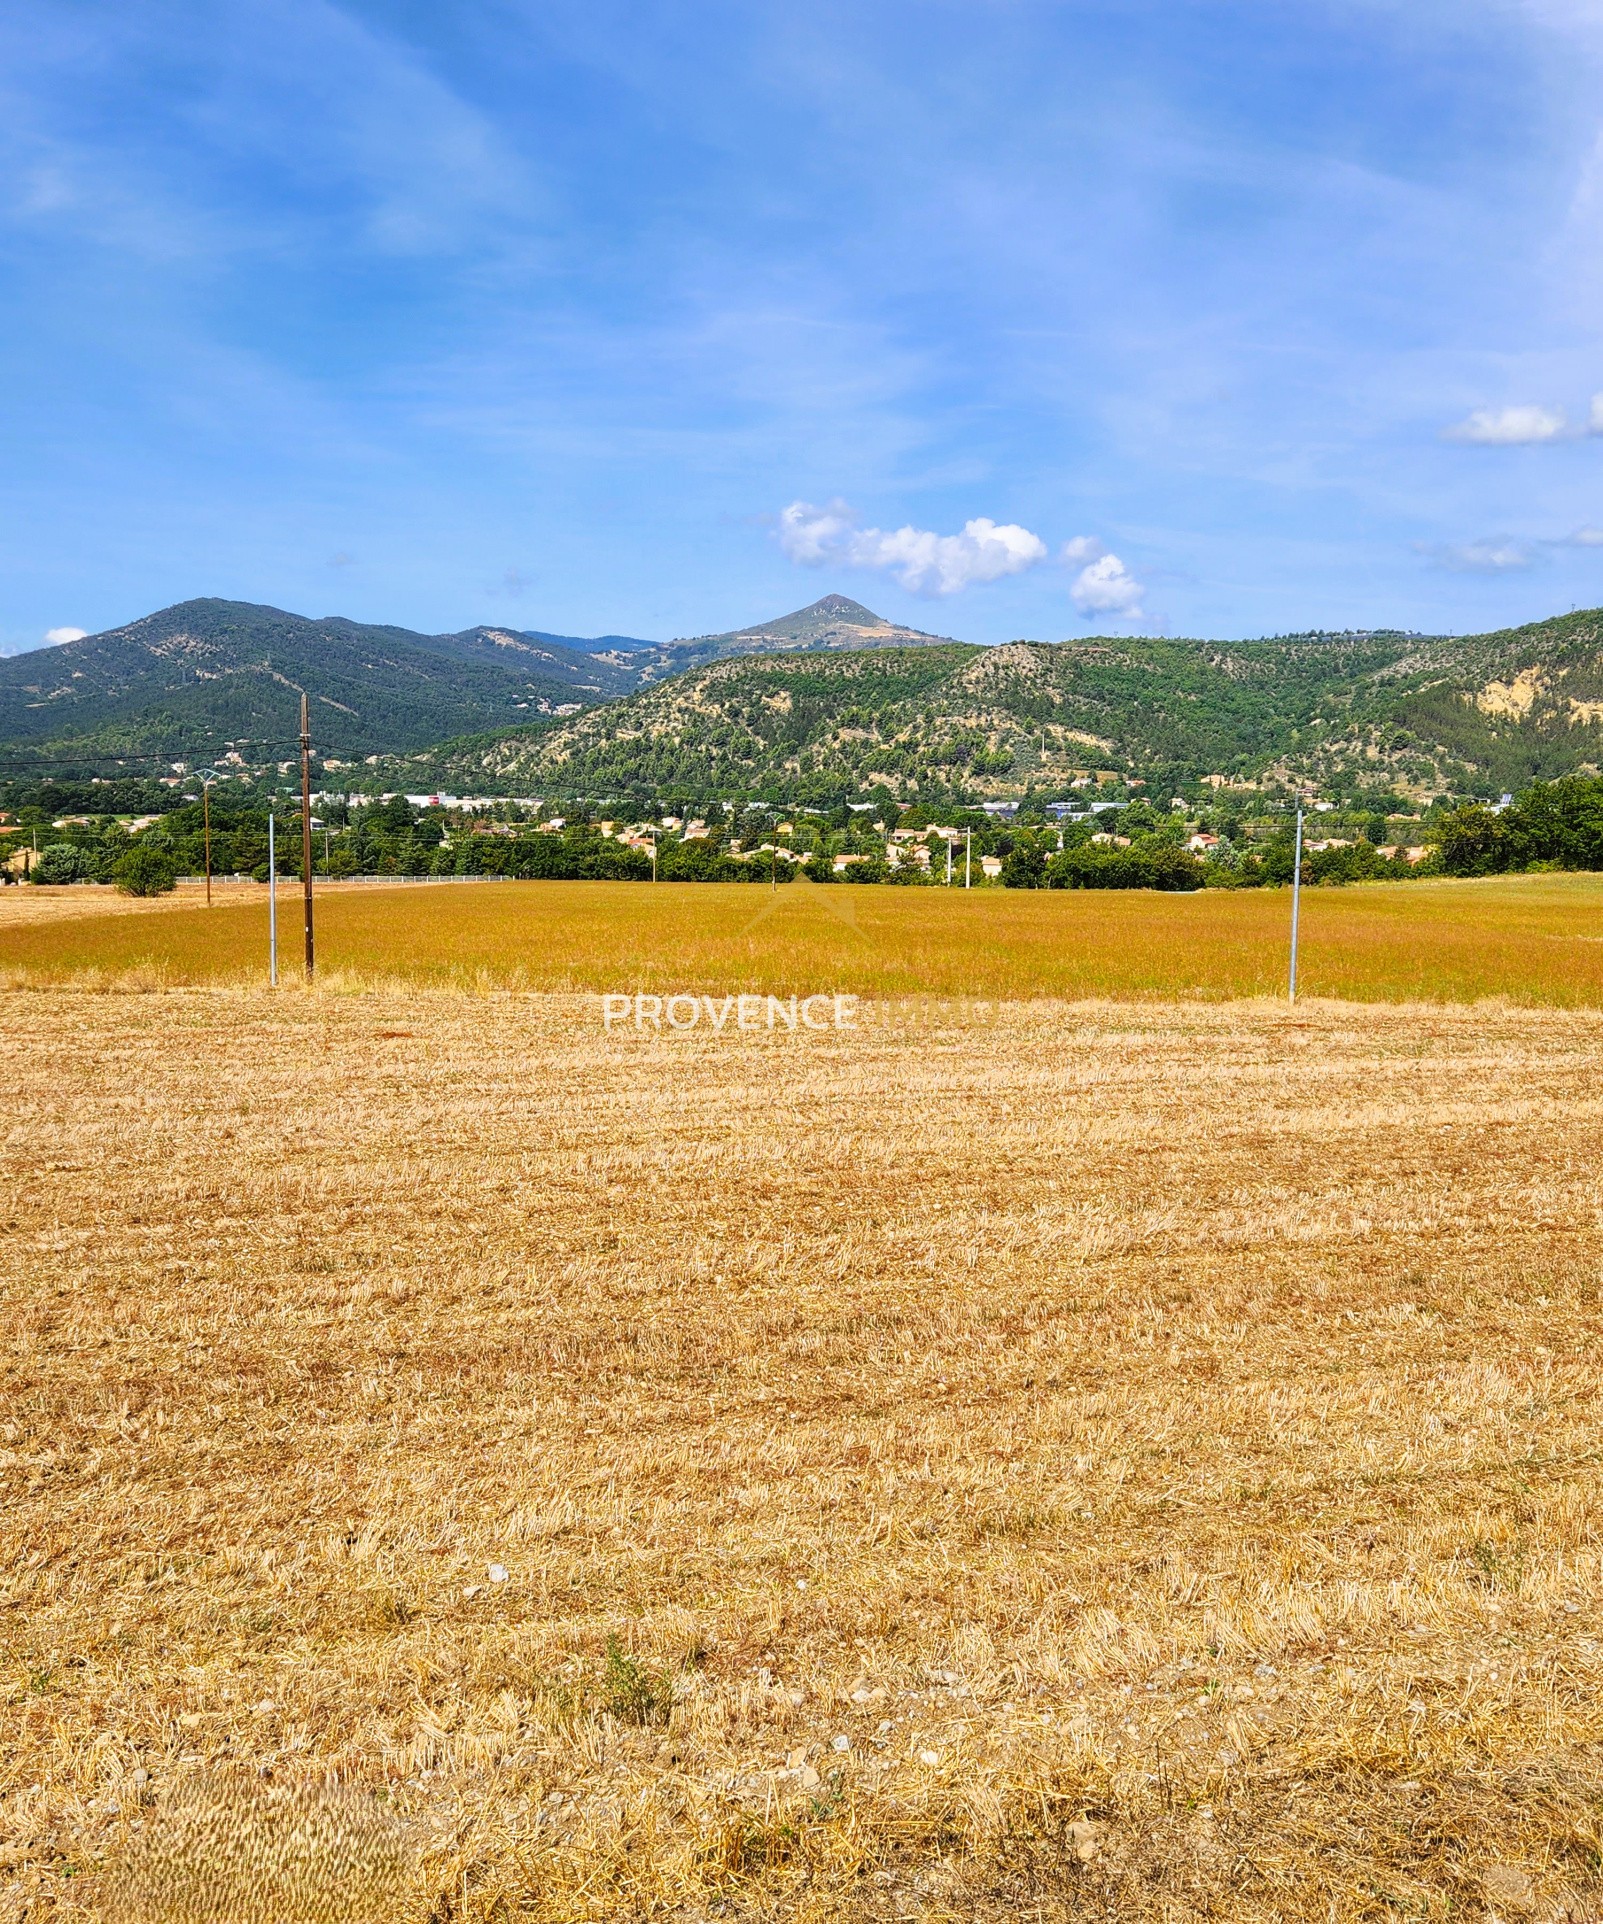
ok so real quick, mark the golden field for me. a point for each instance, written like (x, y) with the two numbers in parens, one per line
(1033, 1461)
(1532, 938)
(23, 905)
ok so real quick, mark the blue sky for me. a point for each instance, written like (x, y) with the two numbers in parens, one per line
(1005, 317)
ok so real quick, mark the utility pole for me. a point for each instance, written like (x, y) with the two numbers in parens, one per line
(948, 841)
(968, 858)
(272, 906)
(306, 829)
(1296, 900)
(206, 818)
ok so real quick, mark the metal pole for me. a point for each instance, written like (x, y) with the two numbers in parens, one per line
(206, 817)
(968, 858)
(306, 830)
(272, 906)
(1296, 901)
(948, 840)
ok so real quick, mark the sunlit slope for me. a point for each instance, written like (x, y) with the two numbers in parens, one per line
(1382, 711)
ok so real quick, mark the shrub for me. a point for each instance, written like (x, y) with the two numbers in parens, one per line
(145, 871)
(633, 1694)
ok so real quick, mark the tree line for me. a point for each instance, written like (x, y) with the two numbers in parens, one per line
(1550, 825)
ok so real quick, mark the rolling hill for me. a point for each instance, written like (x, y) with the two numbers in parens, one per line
(1380, 711)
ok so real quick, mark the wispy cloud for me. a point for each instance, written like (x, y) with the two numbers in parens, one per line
(923, 562)
(616, 275)
(1584, 537)
(1494, 555)
(55, 636)
(1510, 427)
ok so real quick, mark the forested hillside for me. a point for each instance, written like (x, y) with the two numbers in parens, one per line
(819, 704)
(209, 674)
(1381, 711)
(1477, 713)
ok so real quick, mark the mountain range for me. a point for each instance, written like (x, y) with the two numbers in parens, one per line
(208, 675)
(826, 700)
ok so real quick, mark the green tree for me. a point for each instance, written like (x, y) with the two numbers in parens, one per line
(1560, 822)
(1024, 868)
(145, 871)
(1474, 841)
(60, 862)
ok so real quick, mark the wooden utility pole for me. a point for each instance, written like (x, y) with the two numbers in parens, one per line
(306, 829)
(206, 817)
(1296, 903)
(272, 906)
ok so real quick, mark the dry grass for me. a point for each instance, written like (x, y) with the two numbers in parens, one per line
(1163, 1443)
(1533, 939)
(27, 905)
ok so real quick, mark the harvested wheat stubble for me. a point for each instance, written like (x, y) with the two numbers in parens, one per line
(1090, 1461)
(232, 1852)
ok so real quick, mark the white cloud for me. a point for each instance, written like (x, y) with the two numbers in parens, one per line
(1594, 420)
(925, 563)
(1584, 537)
(1513, 426)
(1083, 547)
(814, 536)
(53, 636)
(1104, 586)
(1494, 555)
